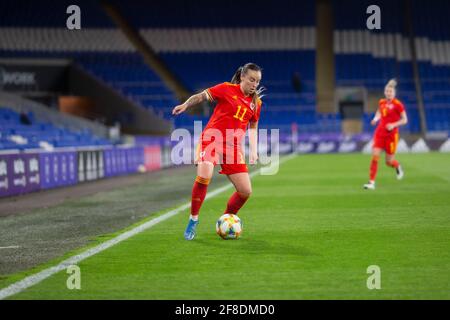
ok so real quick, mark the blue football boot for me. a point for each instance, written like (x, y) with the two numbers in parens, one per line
(189, 234)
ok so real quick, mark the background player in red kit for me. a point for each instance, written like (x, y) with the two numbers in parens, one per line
(238, 106)
(391, 114)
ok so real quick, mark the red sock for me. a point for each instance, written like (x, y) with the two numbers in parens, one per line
(393, 164)
(374, 167)
(198, 194)
(236, 202)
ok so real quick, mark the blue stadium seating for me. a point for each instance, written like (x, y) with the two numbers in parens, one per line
(225, 13)
(35, 132)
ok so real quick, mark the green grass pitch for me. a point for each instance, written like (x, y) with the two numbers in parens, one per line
(310, 232)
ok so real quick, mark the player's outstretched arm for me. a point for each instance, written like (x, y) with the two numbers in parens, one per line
(192, 101)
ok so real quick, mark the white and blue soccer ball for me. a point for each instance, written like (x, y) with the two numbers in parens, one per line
(229, 226)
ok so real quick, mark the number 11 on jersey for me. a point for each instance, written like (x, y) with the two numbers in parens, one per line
(236, 116)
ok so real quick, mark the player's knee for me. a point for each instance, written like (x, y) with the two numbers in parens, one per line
(245, 192)
(205, 170)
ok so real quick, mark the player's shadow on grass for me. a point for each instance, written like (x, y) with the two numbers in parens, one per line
(254, 246)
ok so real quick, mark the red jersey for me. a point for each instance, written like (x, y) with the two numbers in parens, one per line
(390, 111)
(234, 110)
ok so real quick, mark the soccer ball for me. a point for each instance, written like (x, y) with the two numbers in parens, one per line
(229, 226)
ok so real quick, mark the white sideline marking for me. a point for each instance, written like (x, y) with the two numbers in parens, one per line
(44, 274)
(10, 247)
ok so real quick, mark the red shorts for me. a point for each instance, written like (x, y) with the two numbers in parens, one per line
(387, 143)
(230, 158)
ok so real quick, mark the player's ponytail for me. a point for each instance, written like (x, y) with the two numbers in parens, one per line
(237, 76)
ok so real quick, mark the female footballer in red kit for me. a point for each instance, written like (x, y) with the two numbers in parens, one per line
(238, 106)
(391, 114)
